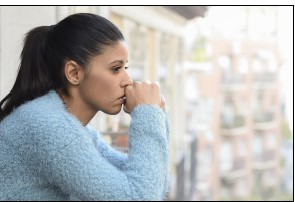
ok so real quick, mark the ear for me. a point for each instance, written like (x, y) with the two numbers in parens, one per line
(73, 72)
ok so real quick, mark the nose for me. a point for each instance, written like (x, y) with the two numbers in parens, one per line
(126, 81)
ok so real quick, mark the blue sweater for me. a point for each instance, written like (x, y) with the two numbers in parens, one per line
(47, 154)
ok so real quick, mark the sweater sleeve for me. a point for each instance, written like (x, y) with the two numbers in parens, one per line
(117, 158)
(69, 160)
(167, 178)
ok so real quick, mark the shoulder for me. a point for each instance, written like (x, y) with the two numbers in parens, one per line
(47, 107)
(42, 115)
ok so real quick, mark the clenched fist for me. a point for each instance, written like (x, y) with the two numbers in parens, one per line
(143, 93)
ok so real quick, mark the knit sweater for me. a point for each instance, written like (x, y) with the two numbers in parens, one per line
(47, 154)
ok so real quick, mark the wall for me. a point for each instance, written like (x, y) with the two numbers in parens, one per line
(15, 22)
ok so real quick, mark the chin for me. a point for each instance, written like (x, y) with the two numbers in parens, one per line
(112, 112)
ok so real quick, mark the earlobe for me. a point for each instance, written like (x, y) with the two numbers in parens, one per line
(73, 72)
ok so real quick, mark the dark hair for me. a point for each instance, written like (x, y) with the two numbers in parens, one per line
(78, 37)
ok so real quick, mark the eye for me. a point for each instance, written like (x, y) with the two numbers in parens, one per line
(116, 69)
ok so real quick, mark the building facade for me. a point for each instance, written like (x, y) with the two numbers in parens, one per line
(239, 139)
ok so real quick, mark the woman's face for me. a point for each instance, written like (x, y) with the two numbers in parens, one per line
(105, 80)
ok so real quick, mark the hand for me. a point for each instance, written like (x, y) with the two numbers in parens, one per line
(163, 102)
(143, 93)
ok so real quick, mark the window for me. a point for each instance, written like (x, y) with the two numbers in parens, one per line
(136, 39)
(257, 145)
(226, 158)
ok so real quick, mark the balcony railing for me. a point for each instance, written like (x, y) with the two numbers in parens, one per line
(265, 156)
(193, 165)
(119, 139)
(264, 77)
(236, 121)
(233, 79)
(265, 160)
(263, 117)
(238, 169)
(180, 187)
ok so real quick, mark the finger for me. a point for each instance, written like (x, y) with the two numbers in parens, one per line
(126, 110)
(147, 82)
(163, 102)
(128, 89)
(157, 83)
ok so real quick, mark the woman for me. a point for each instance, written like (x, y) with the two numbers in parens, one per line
(67, 73)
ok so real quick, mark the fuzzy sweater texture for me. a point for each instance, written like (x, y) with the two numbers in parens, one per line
(47, 154)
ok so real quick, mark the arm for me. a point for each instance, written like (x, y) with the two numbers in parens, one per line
(118, 159)
(78, 169)
(167, 182)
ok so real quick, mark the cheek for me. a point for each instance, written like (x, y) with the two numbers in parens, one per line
(102, 85)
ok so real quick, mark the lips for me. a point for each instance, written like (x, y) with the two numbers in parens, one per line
(122, 99)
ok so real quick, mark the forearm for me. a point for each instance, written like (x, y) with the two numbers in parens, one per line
(116, 158)
(167, 178)
(157, 156)
(82, 171)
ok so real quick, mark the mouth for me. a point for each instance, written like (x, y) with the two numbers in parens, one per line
(123, 99)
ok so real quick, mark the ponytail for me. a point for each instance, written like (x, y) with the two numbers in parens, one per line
(34, 77)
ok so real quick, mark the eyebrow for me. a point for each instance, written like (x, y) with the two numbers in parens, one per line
(118, 61)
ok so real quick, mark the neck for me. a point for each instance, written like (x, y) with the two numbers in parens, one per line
(74, 106)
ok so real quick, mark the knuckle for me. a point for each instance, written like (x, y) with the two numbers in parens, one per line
(137, 83)
(128, 88)
(131, 82)
(156, 84)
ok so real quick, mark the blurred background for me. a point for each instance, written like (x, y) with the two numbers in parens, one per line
(227, 75)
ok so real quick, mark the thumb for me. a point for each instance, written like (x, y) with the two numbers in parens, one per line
(125, 109)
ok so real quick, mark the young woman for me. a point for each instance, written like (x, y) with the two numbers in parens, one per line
(69, 72)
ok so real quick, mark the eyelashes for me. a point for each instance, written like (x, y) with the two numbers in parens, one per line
(116, 69)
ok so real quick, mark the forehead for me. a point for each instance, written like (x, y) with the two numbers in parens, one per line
(118, 51)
